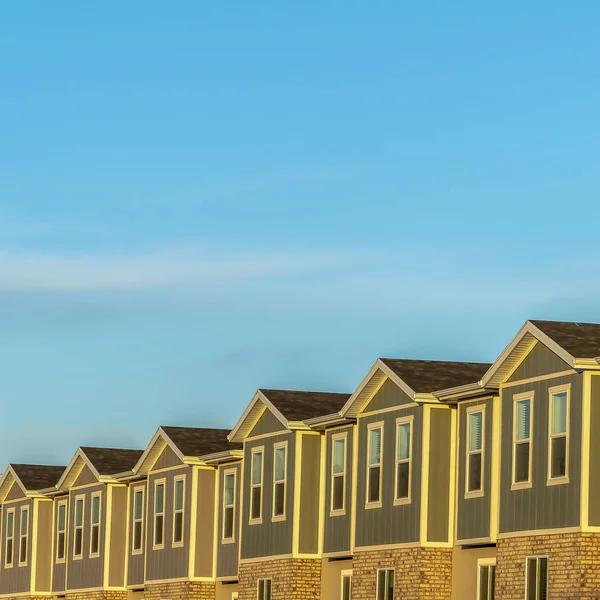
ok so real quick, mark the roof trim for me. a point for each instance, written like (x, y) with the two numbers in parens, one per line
(65, 479)
(15, 479)
(147, 459)
(222, 457)
(325, 421)
(463, 392)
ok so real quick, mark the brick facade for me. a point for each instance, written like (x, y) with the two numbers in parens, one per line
(180, 590)
(292, 578)
(97, 595)
(420, 573)
(573, 565)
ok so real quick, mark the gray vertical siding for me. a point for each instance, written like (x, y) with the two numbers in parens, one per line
(389, 524)
(388, 396)
(86, 477)
(43, 516)
(336, 536)
(268, 423)
(135, 566)
(59, 570)
(205, 523)
(166, 460)
(16, 580)
(540, 361)
(474, 514)
(86, 572)
(594, 502)
(118, 536)
(310, 477)
(268, 538)
(541, 506)
(438, 507)
(227, 554)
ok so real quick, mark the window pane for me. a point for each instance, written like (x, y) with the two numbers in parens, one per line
(475, 431)
(158, 530)
(484, 583)
(178, 527)
(268, 589)
(338, 493)
(522, 462)
(522, 422)
(402, 480)
(137, 535)
(229, 488)
(24, 519)
(346, 588)
(138, 504)
(78, 513)
(339, 447)
(61, 517)
(95, 539)
(559, 413)
(257, 468)
(179, 494)
(374, 484)
(279, 499)
(531, 578)
(403, 441)
(256, 497)
(279, 464)
(261, 589)
(381, 585)
(558, 468)
(60, 552)
(95, 510)
(543, 578)
(159, 498)
(23, 550)
(492, 589)
(78, 541)
(390, 585)
(375, 446)
(228, 527)
(10, 523)
(474, 472)
(9, 551)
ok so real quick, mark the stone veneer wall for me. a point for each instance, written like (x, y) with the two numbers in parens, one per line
(573, 565)
(420, 573)
(180, 590)
(292, 578)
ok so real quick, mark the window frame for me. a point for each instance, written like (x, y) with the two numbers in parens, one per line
(258, 582)
(337, 512)
(10, 565)
(257, 450)
(408, 499)
(345, 574)
(135, 490)
(386, 569)
(482, 563)
(176, 511)
(537, 558)
(282, 517)
(552, 391)
(374, 503)
(24, 510)
(479, 408)
(233, 505)
(61, 504)
(79, 497)
(529, 395)
(92, 524)
(162, 481)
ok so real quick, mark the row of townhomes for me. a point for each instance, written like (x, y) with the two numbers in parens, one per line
(431, 480)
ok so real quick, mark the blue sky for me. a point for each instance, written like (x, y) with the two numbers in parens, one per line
(200, 199)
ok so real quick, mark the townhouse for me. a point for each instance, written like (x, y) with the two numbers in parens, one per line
(433, 479)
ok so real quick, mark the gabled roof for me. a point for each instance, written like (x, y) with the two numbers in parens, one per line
(291, 407)
(30, 478)
(418, 379)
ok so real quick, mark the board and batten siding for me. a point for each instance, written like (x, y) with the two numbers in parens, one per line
(135, 564)
(43, 514)
(16, 579)
(474, 514)
(594, 467)
(205, 521)
(227, 553)
(59, 569)
(540, 361)
(118, 535)
(268, 538)
(337, 529)
(310, 479)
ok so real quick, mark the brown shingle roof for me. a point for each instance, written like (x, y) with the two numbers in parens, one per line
(580, 340)
(300, 406)
(427, 376)
(110, 461)
(38, 477)
(199, 441)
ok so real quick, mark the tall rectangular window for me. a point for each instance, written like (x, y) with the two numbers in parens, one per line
(403, 459)
(78, 537)
(537, 578)
(178, 510)
(522, 438)
(256, 478)
(95, 525)
(558, 427)
(228, 505)
(385, 584)
(23, 538)
(475, 433)
(10, 537)
(338, 473)
(263, 591)
(346, 585)
(374, 460)
(279, 478)
(138, 520)
(487, 582)
(159, 514)
(61, 530)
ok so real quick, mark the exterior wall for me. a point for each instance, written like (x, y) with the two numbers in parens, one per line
(59, 569)
(167, 459)
(224, 591)
(227, 554)
(540, 361)
(15, 492)
(43, 510)
(205, 522)
(135, 564)
(16, 579)
(331, 577)
(464, 571)
(180, 590)
(594, 464)
(388, 396)
(310, 478)
(267, 423)
(118, 535)
(474, 514)
(86, 477)
(336, 535)
(98, 595)
(292, 578)
(420, 573)
(573, 565)
(268, 538)
(541, 506)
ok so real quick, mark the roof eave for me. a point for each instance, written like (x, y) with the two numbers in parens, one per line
(224, 456)
(325, 421)
(464, 392)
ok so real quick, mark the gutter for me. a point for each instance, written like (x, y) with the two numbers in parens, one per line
(464, 392)
(324, 421)
(221, 457)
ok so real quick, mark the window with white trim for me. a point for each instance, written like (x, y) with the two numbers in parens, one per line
(385, 584)
(78, 525)
(346, 585)
(279, 479)
(138, 520)
(159, 513)
(558, 433)
(256, 479)
(403, 458)
(178, 509)
(263, 589)
(338, 473)
(61, 530)
(23, 536)
(228, 504)
(10, 537)
(95, 525)
(522, 439)
(487, 581)
(374, 460)
(475, 433)
(537, 578)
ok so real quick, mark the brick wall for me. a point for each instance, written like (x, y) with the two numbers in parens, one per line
(420, 573)
(292, 578)
(180, 590)
(97, 595)
(573, 565)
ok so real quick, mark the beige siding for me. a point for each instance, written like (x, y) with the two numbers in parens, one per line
(86, 477)
(167, 459)
(205, 523)
(310, 476)
(388, 396)
(16, 580)
(15, 492)
(267, 423)
(43, 514)
(118, 536)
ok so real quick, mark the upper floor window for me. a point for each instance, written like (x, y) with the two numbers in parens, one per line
(263, 591)
(558, 427)
(385, 584)
(138, 519)
(178, 509)
(10, 537)
(95, 525)
(536, 578)
(374, 461)
(61, 530)
(228, 504)
(159, 513)
(256, 479)
(279, 478)
(487, 580)
(23, 536)
(522, 438)
(78, 538)
(403, 458)
(338, 473)
(475, 432)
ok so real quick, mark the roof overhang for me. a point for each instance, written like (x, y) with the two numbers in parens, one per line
(464, 392)
(74, 469)
(224, 456)
(325, 421)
